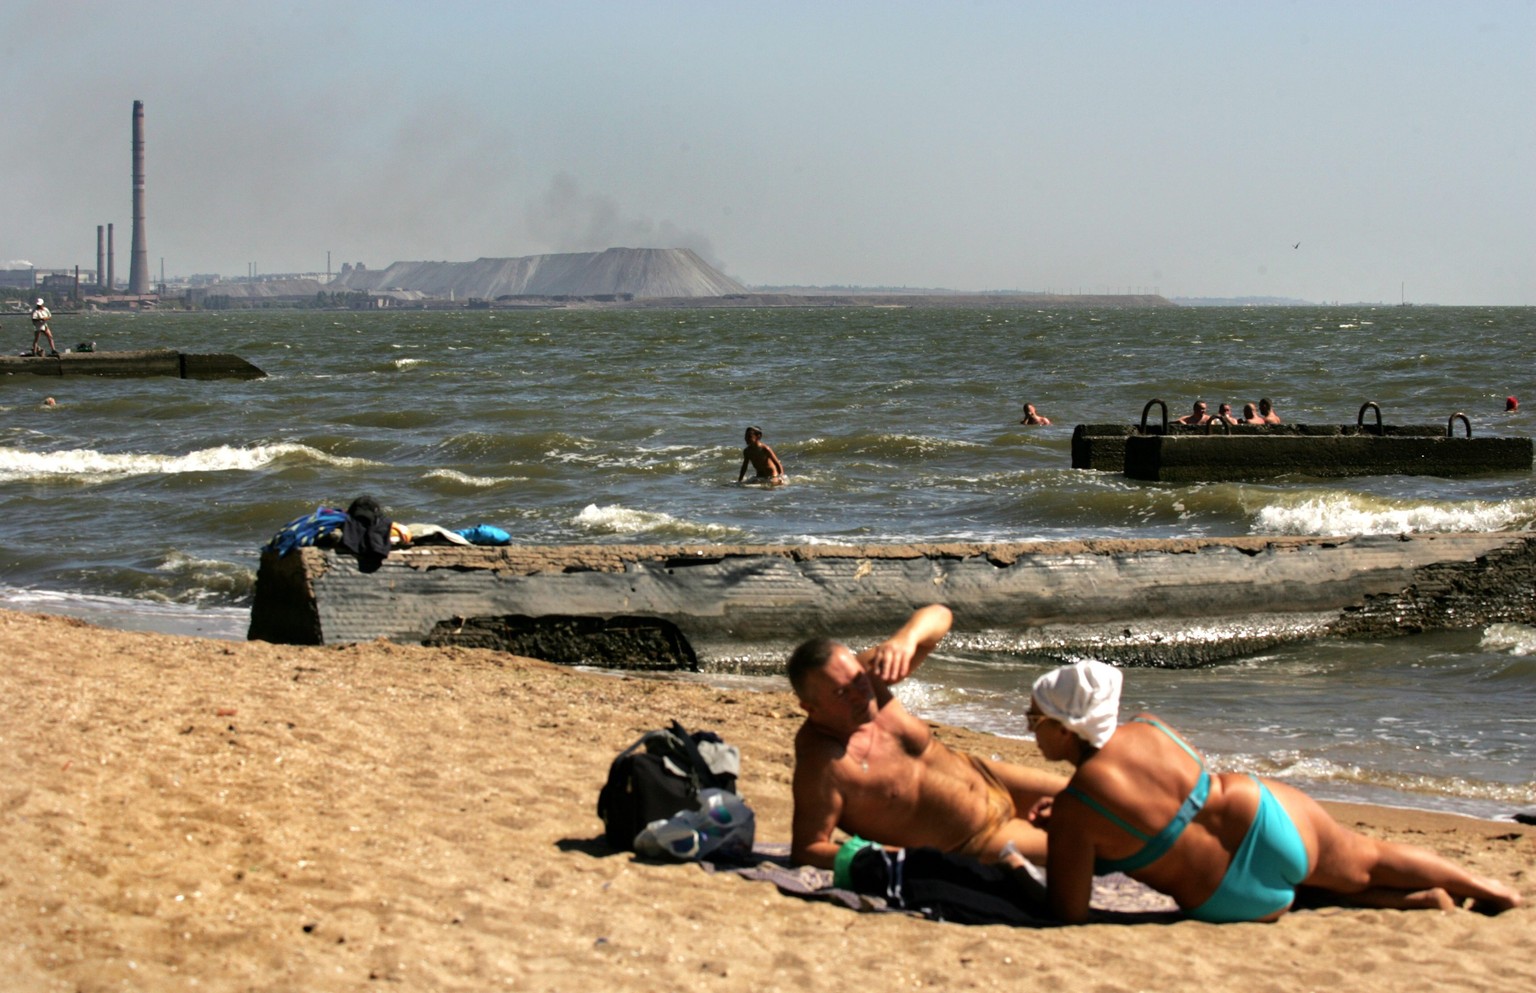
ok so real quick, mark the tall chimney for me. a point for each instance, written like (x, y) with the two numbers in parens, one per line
(101, 257)
(111, 263)
(138, 268)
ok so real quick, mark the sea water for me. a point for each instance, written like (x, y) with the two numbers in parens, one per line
(141, 503)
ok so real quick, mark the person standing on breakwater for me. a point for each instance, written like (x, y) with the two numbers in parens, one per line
(758, 455)
(1033, 416)
(1267, 411)
(866, 765)
(40, 318)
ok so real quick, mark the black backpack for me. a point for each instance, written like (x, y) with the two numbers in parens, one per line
(660, 775)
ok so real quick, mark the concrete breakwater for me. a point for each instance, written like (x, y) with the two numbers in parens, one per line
(145, 362)
(1149, 601)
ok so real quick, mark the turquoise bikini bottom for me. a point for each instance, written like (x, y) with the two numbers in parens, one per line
(1264, 874)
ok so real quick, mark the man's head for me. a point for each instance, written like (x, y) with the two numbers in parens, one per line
(1200, 408)
(39, 302)
(834, 689)
(1265, 406)
(754, 435)
(1224, 409)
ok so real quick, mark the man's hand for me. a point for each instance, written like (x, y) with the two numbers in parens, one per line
(891, 661)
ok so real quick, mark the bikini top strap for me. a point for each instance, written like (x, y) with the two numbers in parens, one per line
(1109, 815)
(1176, 739)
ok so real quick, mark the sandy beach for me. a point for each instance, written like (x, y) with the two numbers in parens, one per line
(180, 814)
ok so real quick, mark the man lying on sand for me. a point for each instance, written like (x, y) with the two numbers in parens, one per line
(865, 764)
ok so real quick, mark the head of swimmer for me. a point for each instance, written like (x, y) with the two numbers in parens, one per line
(753, 435)
(834, 689)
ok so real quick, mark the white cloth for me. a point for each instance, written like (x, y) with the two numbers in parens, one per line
(41, 315)
(1084, 697)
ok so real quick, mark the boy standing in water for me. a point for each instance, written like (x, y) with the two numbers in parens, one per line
(761, 457)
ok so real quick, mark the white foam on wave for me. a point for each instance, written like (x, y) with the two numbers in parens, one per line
(480, 482)
(1511, 639)
(227, 623)
(1313, 770)
(626, 520)
(89, 465)
(406, 363)
(1353, 514)
(671, 458)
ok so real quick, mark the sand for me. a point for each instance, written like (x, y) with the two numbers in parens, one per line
(179, 813)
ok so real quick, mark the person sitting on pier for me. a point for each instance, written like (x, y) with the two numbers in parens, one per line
(1251, 416)
(1033, 416)
(1197, 416)
(866, 765)
(1267, 411)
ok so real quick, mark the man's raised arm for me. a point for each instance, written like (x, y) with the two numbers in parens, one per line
(896, 657)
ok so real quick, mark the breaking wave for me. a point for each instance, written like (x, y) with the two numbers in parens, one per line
(89, 465)
(1355, 514)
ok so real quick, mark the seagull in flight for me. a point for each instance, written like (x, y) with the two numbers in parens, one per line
(1297, 245)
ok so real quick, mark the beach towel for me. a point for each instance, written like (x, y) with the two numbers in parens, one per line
(1117, 898)
(306, 530)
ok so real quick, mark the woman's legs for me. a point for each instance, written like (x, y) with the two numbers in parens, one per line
(1384, 873)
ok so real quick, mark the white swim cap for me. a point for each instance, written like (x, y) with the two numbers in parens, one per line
(1084, 697)
(39, 302)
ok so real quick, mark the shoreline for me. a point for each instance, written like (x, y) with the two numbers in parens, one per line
(229, 624)
(184, 812)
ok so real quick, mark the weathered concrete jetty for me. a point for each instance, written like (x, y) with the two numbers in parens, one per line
(1148, 601)
(144, 362)
(1179, 453)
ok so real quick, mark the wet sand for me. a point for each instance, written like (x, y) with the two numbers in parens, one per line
(181, 813)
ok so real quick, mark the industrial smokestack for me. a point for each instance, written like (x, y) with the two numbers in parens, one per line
(138, 268)
(101, 257)
(111, 263)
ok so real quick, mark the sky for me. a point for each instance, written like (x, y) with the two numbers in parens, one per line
(1323, 151)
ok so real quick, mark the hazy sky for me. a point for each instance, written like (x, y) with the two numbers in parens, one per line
(1176, 147)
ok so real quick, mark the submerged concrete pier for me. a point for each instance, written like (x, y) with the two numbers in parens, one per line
(1225, 453)
(1157, 602)
(145, 362)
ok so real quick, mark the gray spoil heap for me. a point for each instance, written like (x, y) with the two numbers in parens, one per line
(634, 272)
(739, 608)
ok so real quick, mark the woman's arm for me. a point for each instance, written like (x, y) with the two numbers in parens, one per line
(1068, 864)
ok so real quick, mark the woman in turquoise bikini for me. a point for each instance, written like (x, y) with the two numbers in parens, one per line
(1224, 846)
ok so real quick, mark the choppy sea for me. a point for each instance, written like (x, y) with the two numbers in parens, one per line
(141, 503)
